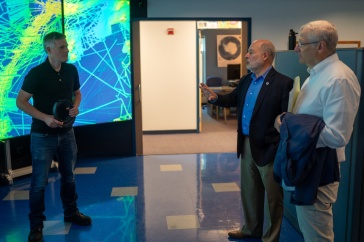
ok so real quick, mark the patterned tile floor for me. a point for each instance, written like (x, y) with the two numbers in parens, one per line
(157, 198)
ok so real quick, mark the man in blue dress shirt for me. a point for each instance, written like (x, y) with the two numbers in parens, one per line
(260, 96)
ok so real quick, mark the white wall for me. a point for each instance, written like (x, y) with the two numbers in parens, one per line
(271, 19)
(168, 75)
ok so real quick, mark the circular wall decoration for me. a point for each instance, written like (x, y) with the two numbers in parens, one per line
(228, 50)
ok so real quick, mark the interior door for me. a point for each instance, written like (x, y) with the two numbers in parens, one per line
(137, 88)
(201, 75)
(168, 61)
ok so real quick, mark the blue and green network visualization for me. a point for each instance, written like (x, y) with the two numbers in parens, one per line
(98, 36)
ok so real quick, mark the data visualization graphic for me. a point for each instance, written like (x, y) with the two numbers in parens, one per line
(98, 35)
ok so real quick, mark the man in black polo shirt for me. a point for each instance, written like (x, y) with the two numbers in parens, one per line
(47, 83)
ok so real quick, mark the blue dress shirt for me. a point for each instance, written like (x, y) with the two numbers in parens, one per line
(250, 99)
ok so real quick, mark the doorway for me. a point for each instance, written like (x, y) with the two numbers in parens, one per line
(165, 102)
(223, 45)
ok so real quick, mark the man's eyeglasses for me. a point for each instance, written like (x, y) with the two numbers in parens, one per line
(302, 44)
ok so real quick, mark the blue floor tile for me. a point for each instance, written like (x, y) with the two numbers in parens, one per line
(185, 193)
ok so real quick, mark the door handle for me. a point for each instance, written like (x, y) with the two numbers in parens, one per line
(139, 92)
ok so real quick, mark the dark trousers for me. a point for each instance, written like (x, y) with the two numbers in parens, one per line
(44, 147)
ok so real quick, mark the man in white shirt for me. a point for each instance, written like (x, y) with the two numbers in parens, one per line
(331, 92)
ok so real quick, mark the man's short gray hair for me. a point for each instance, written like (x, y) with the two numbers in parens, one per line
(50, 38)
(322, 30)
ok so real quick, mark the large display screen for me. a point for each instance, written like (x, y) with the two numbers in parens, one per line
(98, 35)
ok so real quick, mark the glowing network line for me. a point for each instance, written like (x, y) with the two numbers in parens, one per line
(20, 49)
(98, 34)
(101, 50)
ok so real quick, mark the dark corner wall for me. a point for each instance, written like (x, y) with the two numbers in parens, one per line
(138, 9)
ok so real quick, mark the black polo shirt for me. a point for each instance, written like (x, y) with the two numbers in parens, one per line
(49, 86)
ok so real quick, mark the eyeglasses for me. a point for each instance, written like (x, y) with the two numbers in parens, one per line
(302, 44)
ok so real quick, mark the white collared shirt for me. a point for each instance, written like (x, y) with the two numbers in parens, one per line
(331, 92)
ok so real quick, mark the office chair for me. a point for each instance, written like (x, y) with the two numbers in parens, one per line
(215, 81)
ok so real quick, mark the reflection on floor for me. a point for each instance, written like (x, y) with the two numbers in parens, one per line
(193, 197)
